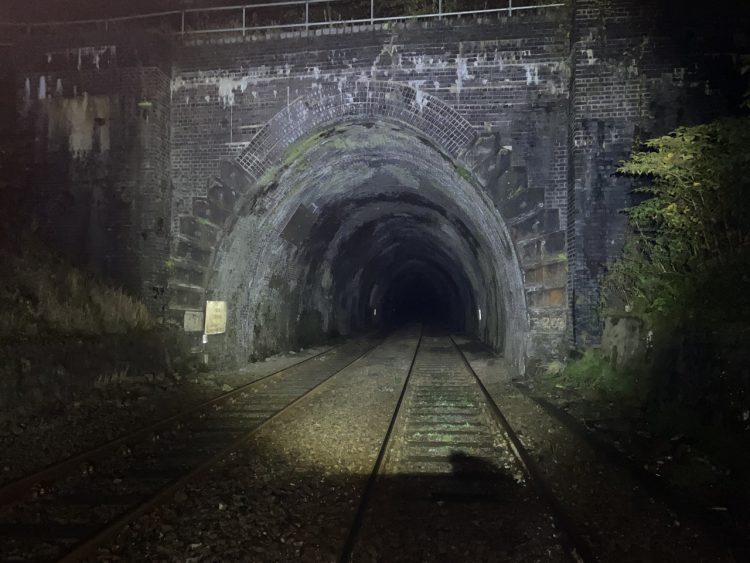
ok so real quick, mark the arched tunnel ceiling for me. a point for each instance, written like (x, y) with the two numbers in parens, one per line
(351, 211)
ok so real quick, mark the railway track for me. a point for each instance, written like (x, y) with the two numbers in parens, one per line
(65, 511)
(453, 481)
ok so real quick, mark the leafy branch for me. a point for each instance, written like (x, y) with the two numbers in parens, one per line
(695, 218)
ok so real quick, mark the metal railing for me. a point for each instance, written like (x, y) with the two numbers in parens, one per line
(194, 20)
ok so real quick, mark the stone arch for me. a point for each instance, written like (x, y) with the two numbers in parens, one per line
(236, 182)
(241, 182)
(364, 99)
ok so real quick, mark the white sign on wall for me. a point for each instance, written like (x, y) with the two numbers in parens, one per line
(216, 317)
(193, 321)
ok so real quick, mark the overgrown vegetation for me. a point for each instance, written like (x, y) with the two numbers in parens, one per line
(685, 273)
(593, 375)
(43, 294)
(687, 258)
(686, 264)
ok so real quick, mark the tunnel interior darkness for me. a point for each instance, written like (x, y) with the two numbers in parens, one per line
(367, 225)
(416, 297)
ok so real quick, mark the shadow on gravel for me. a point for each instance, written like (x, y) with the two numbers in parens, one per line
(273, 510)
(479, 511)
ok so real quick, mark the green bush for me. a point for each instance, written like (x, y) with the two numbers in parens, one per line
(691, 235)
(593, 374)
(685, 268)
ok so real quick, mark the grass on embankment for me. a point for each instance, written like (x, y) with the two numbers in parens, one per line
(42, 293)
(593, 375)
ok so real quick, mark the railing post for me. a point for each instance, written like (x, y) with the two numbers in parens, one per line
(307, 15)
(510, 7)
(243, 21)
(440, 9)
(182, 23)
(372, 12)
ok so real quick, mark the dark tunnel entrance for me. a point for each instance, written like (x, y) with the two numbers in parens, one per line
(416, 297)
(368, 226)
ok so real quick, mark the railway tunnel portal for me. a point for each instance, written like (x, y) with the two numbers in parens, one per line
(455, 171)
(410, 183)
(365, 217)
(331, 180)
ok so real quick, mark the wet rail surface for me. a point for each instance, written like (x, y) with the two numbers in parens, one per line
(453, 481)
(65, 511)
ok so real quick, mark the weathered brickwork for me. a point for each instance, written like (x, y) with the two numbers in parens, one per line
(498, 77)
(492, 94)
(636, 73)
(364, 99)
(160, 147)
(100, 186)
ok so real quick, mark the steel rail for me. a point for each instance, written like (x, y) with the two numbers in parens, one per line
(15, 490)
(351, 538)
(87, 547)
(572, 538)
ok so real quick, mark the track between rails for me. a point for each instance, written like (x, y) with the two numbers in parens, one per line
(65, 511)
(451, 467)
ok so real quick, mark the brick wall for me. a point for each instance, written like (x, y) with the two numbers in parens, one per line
(639, 69)
(504, 76)
(554, 101)
(98, 120)
(492, 94)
